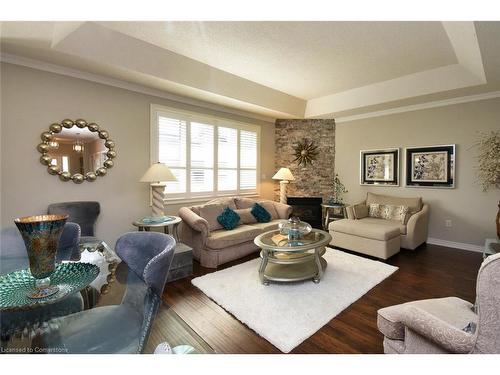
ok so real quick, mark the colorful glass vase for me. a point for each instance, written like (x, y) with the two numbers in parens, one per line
(41, 236)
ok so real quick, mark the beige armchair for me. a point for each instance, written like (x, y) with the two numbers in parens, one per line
(447, 325)
(378, 237)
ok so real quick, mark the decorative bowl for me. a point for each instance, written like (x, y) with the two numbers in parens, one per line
(69, 277)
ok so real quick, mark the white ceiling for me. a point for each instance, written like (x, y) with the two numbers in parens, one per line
(304, 59)
(276, 69)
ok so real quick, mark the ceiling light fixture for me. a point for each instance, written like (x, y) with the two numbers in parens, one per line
(78, 145)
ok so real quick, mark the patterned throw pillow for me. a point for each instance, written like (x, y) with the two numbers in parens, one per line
(396, 213)
(374, 210)
(388, 212)
(260, 213)
(228, 219)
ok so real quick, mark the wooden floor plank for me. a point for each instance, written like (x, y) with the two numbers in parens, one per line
(428, 272)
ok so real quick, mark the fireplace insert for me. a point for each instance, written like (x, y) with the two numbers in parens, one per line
(308, 209)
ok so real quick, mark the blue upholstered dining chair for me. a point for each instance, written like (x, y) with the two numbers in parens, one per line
(67, 248)
(123, 328)
(83, 213)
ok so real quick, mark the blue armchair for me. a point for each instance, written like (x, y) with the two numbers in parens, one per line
(83, 213)
(123, 328)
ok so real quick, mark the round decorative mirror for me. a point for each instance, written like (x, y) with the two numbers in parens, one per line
(76, 150)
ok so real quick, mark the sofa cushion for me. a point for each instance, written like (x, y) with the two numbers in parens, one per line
(210, 212)
(229, 219)
(260, 213)
(415, 204)
(270, 207)
(265, 227)
(360, 211)
(242, 203)
(246, 216)
(389, 223)
(363, 228)
(388, 212)
(225, 201)
(221, 239)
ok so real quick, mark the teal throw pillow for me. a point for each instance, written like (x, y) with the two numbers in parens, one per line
(228, 219)
(260, 213)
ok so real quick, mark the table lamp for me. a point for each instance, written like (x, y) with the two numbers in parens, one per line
(156, 175)
(285, 176)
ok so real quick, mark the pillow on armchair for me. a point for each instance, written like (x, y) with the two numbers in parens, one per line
(360, 211)
(389, 212)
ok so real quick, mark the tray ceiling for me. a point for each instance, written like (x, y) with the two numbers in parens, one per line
(277, 69)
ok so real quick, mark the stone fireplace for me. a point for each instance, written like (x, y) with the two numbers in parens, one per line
(316, 179)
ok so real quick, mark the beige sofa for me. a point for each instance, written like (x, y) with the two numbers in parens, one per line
(213, 245)
(379, 237)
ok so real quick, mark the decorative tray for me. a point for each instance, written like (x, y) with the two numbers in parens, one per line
(156, 219)
(70, 277)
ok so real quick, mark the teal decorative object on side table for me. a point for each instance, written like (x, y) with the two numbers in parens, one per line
(41, 235)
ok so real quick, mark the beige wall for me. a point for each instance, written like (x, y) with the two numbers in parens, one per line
(471, 210)
(31, 100)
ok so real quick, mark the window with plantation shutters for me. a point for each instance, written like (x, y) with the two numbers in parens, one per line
(172, 150)
(248, 160)
(210, 157)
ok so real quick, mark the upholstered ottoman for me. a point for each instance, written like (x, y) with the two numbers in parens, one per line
(182, 264)
(377, 240)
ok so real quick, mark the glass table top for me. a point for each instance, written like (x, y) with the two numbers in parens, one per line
(274, 240)
(112, 315)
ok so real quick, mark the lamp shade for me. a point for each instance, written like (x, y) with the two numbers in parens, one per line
(158, 172)
(284, 174)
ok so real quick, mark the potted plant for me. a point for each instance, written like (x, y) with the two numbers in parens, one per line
(338, 190)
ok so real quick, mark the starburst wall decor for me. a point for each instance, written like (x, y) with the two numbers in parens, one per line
(305, 152)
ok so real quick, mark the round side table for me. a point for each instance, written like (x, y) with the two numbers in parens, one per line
(332, 212)
(169, 227)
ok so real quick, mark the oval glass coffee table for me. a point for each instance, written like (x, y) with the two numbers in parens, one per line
(285, 260)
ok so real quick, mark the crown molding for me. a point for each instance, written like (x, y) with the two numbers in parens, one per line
(75, 73)
(104, 80)
(418, 107)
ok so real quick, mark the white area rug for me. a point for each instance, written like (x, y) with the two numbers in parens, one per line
(287, 314)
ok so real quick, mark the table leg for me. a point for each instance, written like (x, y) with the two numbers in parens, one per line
(147, 229)
(317, 260)
(327, 219)
(262, 267)
(175, 232)
(165, 229)
(141, 229)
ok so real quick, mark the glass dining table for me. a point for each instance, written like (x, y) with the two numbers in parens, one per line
(116, 313)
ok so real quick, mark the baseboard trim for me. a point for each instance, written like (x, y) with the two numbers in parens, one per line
(456, 245)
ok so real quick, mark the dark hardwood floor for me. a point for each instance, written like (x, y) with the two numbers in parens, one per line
(428, 272)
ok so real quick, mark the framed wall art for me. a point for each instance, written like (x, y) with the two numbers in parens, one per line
(430, 166)
(379, 167)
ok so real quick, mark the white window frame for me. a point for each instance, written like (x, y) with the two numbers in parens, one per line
(189, 116)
